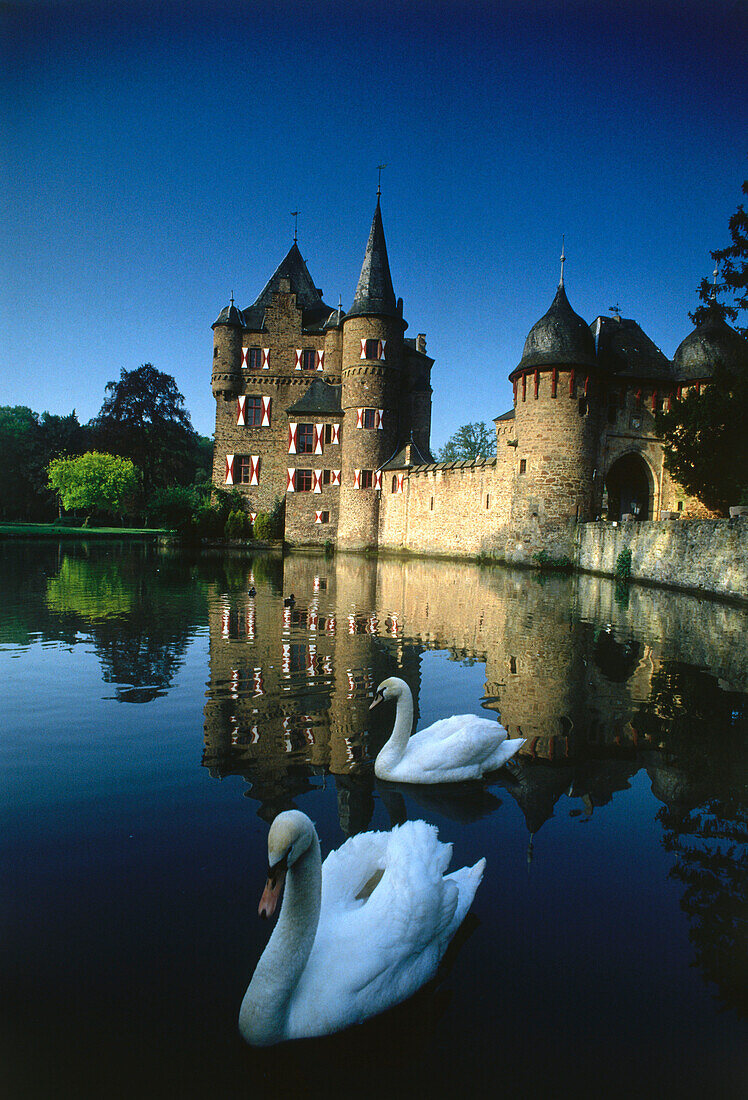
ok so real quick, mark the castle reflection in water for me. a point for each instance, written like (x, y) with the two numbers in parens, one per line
(600, 683)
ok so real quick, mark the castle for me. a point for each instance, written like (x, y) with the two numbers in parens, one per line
(333, 411)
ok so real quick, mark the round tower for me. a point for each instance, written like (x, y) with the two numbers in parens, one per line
(558, 400)
(226, 380)
(712, 347)
(371, 368)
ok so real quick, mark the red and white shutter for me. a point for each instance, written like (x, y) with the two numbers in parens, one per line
(336, 477)
(245, 353)
(265, 358)
(317, 517)
(336, 433)
(363, 348)
(356, 479)
(286, 658)
(380, 418)
(292, 438)
(289, 479)
(265, 422)
(254, 470)
(377, 479)
(382, 346)
(319, 434)
(229, 469)
(359, 418)
(400, 483)
(316, 481)
(299, 353)
(240, 403)
(253, 516)
(320, 360)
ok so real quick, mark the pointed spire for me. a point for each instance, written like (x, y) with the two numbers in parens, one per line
(374, 293)
(563, 259)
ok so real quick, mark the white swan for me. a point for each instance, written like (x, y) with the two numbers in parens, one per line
(355, 936)
(451, 750)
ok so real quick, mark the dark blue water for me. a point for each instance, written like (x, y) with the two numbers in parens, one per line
(155, 718)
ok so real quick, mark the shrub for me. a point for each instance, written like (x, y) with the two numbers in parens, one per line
(263, 526)
(623, 566)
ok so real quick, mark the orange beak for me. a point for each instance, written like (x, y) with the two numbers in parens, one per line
(273, 890)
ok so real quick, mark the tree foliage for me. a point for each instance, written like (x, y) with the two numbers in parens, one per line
(28, 442)
(470, 441)
(95, 481)
(143, 418)
(705, 441)
(732, 272)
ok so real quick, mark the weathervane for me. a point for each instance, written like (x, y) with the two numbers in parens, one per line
(295, 216)
(379, 181)
(616, 309)
(713, 291)
(563, 259)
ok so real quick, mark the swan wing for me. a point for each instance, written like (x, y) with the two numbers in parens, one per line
(374, 951)
(463, 747)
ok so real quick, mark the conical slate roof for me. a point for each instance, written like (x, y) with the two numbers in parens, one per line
(308, 297)
(374, 293)
(712, 344)
(560, 336)
(230, 315)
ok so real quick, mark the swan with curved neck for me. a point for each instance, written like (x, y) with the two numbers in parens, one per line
(356, 935)
(452, 750)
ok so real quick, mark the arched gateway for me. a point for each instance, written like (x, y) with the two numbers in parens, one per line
(629, 486)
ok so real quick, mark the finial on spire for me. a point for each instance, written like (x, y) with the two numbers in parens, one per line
(340, 304)
(713, 291)
(295, 216)
(379, 181)
(563, 259)
(232, 297)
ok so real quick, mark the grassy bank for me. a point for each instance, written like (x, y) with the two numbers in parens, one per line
(65, 531)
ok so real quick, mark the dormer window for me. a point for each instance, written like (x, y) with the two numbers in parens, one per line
(254, 358)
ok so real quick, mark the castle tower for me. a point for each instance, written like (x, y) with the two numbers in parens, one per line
(558, 394)
(371, 382)
(226, 379)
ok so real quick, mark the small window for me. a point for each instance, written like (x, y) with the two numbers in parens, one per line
(254, 358)
(215, 353)
(305, 439)
(308, 359)
(326, 477)
(369, 418)
(367, 479)
(431, 504)
(394, 483)
(583, 406)
(523, 465)
(324, 517)
(372, 349)
(302, 481)
(513, 665)
(244, 469)
(488, 499)
(329, 433)
(253, 412)
(680, 505)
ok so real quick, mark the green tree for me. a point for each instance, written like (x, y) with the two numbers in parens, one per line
(469, 441)
(95, 482)
(705, 441)
(143, 418)
(732, 272)
(27, 444)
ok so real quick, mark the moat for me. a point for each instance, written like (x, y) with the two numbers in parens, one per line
(157, 716)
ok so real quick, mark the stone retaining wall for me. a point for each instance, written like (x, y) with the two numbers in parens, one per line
(708, 555)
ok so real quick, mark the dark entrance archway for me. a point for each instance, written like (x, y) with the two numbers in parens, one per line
(628, 488)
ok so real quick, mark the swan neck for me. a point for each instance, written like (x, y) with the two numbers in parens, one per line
(264, 1010)
(395, 747)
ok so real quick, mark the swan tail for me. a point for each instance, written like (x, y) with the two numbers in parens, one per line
(467, 880)
(504, 752)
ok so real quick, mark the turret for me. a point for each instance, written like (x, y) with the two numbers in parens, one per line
(712, 346)
(226, 380)
(557, 403)
(371, 369)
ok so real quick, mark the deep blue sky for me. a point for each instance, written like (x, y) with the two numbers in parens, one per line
(152, 154)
